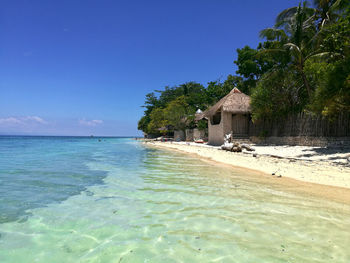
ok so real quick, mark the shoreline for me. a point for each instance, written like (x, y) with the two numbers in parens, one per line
(306, 176)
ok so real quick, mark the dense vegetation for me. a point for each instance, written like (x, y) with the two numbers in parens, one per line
(302, 65)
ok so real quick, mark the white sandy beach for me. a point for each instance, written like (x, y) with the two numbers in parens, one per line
(325, 166)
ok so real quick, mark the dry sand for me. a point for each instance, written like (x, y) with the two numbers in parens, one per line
(316, 165)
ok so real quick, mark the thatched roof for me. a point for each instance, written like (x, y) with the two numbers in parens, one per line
(166, 128)
(234, 102)
(199, 116)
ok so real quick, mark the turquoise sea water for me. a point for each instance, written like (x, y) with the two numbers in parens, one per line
(69, 199)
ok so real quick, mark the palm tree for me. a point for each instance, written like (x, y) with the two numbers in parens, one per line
(294, 29)
(327, 11)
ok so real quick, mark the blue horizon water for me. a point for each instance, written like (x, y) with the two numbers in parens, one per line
(82, 199)
(68, 136)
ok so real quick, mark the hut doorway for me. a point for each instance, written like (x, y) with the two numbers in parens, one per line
(240, 124)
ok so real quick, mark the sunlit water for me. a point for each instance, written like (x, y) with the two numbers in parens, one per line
(114, 200)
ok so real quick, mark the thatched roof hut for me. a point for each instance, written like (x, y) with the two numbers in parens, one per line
(231, 114)
(235, 102)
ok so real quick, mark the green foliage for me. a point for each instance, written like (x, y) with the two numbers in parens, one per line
(157, 121)
(233, 82)
(175, 107)
(177, 113)
(248, 64)
(202, 125)
(254, 63)
(327, 11)
(151, 102)
(299, 30)
(312, 76)
(216, 91)
(332, 94)
(330, 76)
(277, 94)
(195, 95)
(143, 123)
(336, 37)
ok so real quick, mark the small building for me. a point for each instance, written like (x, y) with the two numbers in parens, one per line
(198, 115)
(230, 114)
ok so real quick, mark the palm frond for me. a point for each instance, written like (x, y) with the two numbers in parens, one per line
(294, 50)
(323, 55)
(274, 50)
(338, 5)
(309, 11)
(285, 15)
(273, 33)
(291, 46)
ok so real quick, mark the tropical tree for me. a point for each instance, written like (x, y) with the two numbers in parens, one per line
(251, 66)
(328, 11)
(233, 81)
(178, 113)
(216, 90)
(142, 124)
(157, 121)
(331, 77)
(276, 95)
(295, 30)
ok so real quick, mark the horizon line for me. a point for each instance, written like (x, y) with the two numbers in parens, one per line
(89, 136)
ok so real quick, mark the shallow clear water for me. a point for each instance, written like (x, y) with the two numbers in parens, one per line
(84, 200)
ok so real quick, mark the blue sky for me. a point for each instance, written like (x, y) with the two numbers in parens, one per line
(83, 67)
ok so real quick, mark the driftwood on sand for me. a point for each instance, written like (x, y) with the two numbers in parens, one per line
(230, 145)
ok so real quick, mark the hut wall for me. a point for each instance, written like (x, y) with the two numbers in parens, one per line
(200, 134)
(196, 134)
(227, 123)
(216, 132)
(302, 129)
(189, 135)
(179, 135)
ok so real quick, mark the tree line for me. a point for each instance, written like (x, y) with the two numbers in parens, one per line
(302, 65)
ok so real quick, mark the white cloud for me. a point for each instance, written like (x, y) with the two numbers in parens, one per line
(90, 123)
(16, 121)
(35, 119)
(10, 121)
